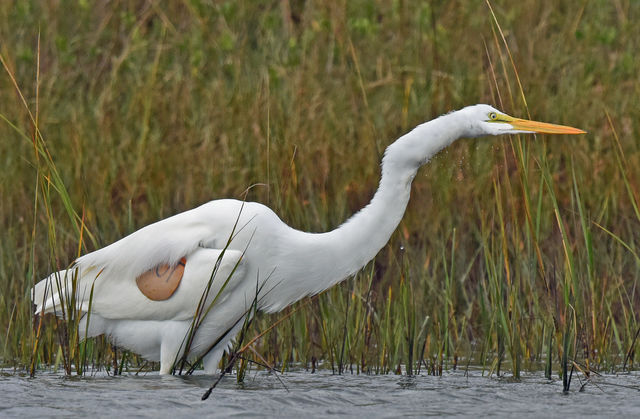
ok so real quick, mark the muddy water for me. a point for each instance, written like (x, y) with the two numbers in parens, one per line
(315, 395)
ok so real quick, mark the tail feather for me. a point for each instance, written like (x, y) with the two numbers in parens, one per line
(54, 290)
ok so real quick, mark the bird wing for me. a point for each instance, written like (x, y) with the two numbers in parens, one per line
(106, 278)
(215, 272)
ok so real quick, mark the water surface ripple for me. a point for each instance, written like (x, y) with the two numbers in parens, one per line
(315, 395)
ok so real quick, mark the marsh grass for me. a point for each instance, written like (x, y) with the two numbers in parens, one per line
(205, 304)
(515, 254)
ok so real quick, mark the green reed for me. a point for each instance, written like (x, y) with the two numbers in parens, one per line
(515, 253)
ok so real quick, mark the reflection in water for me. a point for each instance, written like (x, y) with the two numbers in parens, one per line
(408, 382)
(262, 394)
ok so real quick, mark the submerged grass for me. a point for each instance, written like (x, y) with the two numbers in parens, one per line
(515, 254)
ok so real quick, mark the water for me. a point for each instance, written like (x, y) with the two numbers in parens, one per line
(315, 395)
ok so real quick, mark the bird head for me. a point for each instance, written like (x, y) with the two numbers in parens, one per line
(415, 148)
(487, 120)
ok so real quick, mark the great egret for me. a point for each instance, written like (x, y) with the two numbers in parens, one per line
(266, 260)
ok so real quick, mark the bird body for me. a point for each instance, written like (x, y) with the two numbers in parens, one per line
(263, 259)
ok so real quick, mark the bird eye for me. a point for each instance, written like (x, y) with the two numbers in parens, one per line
(493, 116)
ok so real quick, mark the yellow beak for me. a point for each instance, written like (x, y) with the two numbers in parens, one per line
(543, 127)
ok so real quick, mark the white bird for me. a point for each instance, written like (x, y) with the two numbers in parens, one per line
(262, 258)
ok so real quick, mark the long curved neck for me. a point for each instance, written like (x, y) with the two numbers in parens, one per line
(361, 237)
(342, 252)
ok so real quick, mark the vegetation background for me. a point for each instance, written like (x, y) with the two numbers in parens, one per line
(515, 253)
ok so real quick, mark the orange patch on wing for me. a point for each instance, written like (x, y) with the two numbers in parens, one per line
(161, 282)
